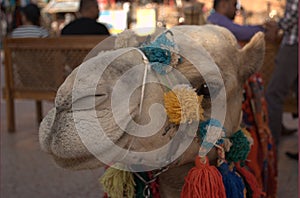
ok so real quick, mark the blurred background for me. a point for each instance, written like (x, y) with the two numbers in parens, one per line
(120, 14)
(27, 172)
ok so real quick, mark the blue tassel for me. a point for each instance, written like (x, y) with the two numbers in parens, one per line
(234, 185)
(159, 53)
(159, 58)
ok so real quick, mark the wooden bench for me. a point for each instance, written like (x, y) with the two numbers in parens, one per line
(36, 67)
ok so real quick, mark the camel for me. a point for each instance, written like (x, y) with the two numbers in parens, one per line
(222, 66)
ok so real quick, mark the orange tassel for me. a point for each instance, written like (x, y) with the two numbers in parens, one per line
(203, 181)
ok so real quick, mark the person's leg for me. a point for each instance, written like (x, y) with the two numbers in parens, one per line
(284, 75)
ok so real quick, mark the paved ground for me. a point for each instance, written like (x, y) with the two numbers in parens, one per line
(288, 168)
(27, 172)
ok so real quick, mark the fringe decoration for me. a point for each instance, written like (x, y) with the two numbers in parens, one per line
(118, 183)
(250, 179)
(203, 181)
(234, 186)
(183, 105)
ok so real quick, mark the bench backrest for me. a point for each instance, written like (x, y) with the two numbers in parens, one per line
(36, 67)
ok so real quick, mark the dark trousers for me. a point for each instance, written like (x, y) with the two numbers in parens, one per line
(284, 77)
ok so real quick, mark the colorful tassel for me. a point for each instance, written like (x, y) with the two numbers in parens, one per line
(233, 183)
(240, 148)
(203, 181)
(163, 53)
(250, 179)
(183, 105)
(118, 183)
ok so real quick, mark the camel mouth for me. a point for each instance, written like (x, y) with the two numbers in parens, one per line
(77, 163)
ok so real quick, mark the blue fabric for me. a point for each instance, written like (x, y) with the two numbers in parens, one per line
(202, 130)
(234, 185)
(241, 32)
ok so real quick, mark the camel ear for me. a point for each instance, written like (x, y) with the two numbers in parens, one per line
(252, 56)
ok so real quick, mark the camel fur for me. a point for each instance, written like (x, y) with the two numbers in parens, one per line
(58, 133)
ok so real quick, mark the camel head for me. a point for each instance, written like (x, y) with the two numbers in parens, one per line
(111, 108)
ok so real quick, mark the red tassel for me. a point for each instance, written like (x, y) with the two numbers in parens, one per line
(154, 187)
(251, 180)
(203, 181)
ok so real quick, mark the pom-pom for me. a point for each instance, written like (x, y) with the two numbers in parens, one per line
(248, 136)
(203, 181)
(183, 105)
(159, 59)
(240, 148)
(162, 53)
(118, 183)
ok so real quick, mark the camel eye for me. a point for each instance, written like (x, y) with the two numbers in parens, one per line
(203, 90)
(244, 95)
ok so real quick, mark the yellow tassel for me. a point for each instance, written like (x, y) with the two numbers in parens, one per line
(183, 105)
(118, 183)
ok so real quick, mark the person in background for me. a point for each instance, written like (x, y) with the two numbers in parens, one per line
(3, 24)
(87, 23)
(285, 74)
(223, 14)
(30, 17)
